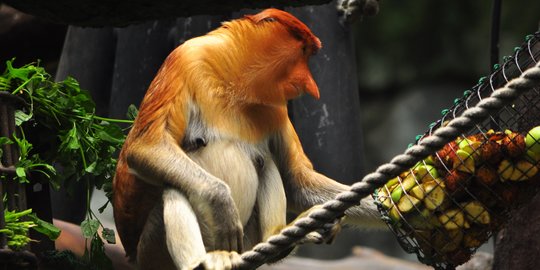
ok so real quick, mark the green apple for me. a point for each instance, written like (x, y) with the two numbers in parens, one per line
(464, 161)
(425, 172)
(532, 140)
(470, 146)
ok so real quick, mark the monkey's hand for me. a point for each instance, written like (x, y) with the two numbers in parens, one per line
(219, 212)
(218, 260)
(326, 234)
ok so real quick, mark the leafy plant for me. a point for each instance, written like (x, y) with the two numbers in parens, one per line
(62, 139)
(18, 225)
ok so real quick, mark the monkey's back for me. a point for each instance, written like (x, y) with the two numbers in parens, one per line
(133, 200)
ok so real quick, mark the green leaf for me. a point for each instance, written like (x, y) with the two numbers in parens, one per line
(45, 227)
(21, 117)
(16, 230)
(132, 112)
(50, 168)
(98, 257)
(60, 118)
(91, 168)
(20, 172)
(108, 235)
(5, 140)
(70, 140)
(89, 227)
(71, 83)
(19, 73)
(102, 208)
(111, 133)
(24, 147)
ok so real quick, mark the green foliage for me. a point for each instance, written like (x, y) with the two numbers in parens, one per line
(60, 138)
(96, 255)
(26, 162)
(89, 228)
(60, 121)
(18, 225)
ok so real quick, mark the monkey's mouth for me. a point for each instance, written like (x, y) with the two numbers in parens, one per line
(295, 91)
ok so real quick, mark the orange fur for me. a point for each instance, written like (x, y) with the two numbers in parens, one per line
(296, 27)
(213, 163)
(240, 76)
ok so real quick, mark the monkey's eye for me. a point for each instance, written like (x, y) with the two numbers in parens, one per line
(269, 19)
(304, 49)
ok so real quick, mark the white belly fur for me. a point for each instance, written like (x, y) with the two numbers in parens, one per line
(231, 162)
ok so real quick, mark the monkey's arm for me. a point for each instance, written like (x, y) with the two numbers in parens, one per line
(162, 162)
(305, 187)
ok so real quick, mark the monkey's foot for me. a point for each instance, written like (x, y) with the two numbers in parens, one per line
(325, 235)
(218, 260)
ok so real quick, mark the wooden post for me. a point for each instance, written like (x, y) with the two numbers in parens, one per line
(14, 191)
(330, 128)
(517, 245)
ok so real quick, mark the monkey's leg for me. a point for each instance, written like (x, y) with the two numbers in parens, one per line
(172, 237)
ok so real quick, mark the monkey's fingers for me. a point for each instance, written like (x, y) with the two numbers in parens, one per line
(327, 234)
(219, 260)
(230, 237)
(312, 238)
(330, 230)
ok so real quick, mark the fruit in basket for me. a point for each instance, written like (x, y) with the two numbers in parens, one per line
(447, 240)
(464, 161)
(451, 202)
(418, 192)
(516, 171)
(394, 214)
(476, 212)
(445, 156)
(513, 144)
(533, 157)
(408, 203)
(402, 187)
(425, 172)
(384, 198)
(456, 181)
(453, 219)
(490, 153)
(495, 136)
(435, 195)
(425, 220)
(475, 237)
(487, 175)
(470, 145)
(525, 168)
(532, 140)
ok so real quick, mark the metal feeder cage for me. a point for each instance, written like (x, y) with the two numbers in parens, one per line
(452, 202)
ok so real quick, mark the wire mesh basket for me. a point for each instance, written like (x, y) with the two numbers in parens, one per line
(449, 204)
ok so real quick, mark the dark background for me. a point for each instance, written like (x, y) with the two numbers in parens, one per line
(402, 67)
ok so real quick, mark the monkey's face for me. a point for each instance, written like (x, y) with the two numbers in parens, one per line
(284, 73)
(268, 57)
(299, 80)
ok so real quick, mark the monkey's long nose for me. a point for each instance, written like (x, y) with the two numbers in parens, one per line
(312, 88)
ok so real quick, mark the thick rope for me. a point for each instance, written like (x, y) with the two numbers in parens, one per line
(428, 145)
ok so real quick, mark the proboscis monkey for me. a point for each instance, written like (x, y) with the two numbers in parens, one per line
(213, 163)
